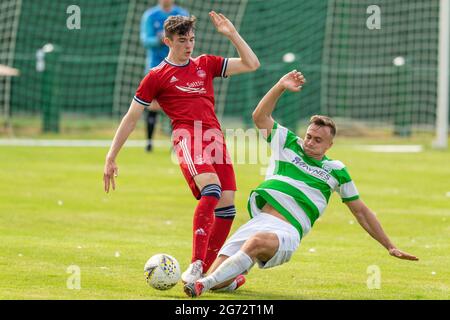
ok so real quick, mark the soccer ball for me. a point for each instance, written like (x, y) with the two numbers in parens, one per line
(162, 271)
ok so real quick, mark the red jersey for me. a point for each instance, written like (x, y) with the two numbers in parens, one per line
(184, 92)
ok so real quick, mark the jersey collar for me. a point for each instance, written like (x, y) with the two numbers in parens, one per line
(176, 65)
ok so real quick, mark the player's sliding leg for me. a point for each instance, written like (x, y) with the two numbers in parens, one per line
(220, 278)
(260, 246)
(224, 216)
(231, 285)
(202, 224)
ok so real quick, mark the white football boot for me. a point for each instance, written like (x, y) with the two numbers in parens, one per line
(193, 272)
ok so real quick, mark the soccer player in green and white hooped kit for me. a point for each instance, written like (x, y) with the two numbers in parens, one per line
(283, 208)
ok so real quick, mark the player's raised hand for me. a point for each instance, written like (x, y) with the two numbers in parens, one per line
(402, 255)
(110, 172)
(293, 81)
(222, 24)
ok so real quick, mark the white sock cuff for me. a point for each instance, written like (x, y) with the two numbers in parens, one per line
(244, 259)
(229, 288)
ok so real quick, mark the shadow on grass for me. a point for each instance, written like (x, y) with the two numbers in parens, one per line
(241, 294)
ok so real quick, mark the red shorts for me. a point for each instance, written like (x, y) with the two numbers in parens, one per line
(206, 154)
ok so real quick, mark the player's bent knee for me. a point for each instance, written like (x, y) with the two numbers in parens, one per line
(262, 246)
(254, 246)
(212, 190)
(204, 179)
(227, 199)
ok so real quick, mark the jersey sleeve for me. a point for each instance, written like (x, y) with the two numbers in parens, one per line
(147, 90)
(346, 189)
(217, 65)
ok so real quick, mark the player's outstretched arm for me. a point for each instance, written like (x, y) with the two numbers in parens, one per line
(247, 61)
(262, 115)
(127, 125)
(370, 223)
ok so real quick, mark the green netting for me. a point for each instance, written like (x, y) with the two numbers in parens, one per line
(272, 28)
(349, 68)
(85, 70)
(387, 75)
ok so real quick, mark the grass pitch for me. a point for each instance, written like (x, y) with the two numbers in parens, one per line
(54, 214)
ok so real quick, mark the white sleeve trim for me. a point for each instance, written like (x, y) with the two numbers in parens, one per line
(224, 68)
(348, 190)
(146, 104)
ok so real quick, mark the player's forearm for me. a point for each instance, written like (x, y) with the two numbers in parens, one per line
(371, 224)
(126, 126)
(265, 107)
(246, 54)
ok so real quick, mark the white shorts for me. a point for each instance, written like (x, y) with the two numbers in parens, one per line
(288, 238)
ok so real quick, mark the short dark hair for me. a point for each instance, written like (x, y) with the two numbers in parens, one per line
(179, 25)
(324, 121)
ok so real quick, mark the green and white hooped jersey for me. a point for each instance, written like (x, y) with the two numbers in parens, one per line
(297, 186)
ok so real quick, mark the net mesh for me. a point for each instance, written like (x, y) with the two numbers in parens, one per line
(387, 75)
(9, 18)
(95, 70)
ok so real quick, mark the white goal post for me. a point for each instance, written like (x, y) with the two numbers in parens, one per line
(441, 141)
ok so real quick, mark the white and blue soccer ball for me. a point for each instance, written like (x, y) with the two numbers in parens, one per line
(162, 271)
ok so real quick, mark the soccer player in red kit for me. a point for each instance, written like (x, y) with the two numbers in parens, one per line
(183, 87)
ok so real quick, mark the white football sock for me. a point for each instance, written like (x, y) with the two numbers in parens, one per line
(231, 287)
(229, 269)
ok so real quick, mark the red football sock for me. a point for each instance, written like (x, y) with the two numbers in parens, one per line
(202, 225)
(220, 230)
(219, 233)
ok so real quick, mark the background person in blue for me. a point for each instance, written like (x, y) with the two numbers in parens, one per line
(152, 34)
